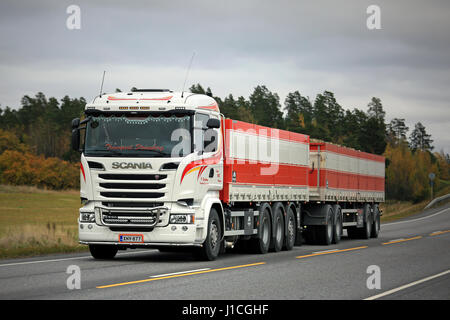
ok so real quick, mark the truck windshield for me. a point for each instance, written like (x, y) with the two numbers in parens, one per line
(138, 136)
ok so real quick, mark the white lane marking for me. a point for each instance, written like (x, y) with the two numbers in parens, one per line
(412, 220)
(407, 285)
(326, 251)
(181, 272)
(57, 260)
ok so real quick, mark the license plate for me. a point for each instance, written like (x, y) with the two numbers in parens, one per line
(131, 238)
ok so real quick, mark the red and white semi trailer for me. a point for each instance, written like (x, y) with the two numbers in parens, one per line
(166, 170)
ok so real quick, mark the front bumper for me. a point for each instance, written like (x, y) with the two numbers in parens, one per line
(91, 233)
(163, 234)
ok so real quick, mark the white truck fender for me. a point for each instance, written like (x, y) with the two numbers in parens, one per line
(210, 199)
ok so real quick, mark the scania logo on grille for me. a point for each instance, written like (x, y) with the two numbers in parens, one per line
(131, 165)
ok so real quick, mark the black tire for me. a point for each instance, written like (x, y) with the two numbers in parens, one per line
(337, 225)
(376, 222)
(223, 248)
(278, 227)
(261, 244)
(291, 230)
(103, 251)
(366, 231)
(325, 233)
(211, 247)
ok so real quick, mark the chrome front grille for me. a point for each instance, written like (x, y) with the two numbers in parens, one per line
(133, 199)
(123, 186)
(132, 185)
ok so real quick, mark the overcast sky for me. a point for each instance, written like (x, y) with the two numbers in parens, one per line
(309, 46)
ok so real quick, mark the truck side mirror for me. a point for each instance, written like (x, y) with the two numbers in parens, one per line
(213, 123)
(76, 139)
(75, 123)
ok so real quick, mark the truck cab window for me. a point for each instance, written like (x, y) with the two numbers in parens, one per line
(204, 139)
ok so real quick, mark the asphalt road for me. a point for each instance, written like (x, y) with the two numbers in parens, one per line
(411, 257)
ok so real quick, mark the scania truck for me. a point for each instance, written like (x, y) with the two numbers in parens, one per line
(166, 170)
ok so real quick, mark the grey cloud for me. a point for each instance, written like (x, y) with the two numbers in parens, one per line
(308, 46)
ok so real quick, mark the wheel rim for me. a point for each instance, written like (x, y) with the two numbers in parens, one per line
(214, 235)
(291, 230)
(265, 236)
(279, 230)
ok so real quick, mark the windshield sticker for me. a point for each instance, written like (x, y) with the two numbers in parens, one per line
(135, 147)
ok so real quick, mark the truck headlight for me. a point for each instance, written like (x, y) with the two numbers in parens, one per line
(87, 217)
(181, 218)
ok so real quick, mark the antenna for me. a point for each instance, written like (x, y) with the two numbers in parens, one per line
(187, 73)
(103, 79)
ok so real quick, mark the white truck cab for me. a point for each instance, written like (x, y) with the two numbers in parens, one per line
(151, 169)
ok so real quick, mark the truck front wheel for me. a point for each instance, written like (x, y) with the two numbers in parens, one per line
(103, 251)
(211, 247)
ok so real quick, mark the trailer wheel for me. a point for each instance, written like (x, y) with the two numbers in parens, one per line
(291, 230)
(211, 247)
(103, 251)
(278, 228)
(262, 242)
(325, 233)
(337, 225)
(376, 222)
(366, 231)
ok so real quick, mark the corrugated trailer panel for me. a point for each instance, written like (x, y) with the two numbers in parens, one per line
(264, 164)
(345, 174)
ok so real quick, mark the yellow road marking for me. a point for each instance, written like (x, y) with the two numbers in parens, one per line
(402, 240)
(329, 252)
(180, 275)
(439, 232)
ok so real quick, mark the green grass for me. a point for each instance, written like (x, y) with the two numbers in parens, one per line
(393, 209)
(35, 221)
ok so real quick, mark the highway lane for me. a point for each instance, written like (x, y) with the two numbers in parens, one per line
(405, 252)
